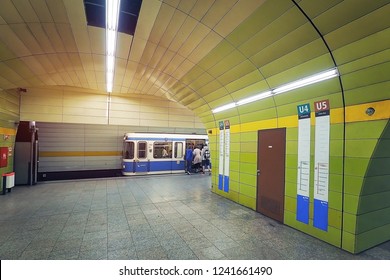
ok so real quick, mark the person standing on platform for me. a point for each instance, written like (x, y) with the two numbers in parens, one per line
(197, 159)
(206, 159)
(188, 158)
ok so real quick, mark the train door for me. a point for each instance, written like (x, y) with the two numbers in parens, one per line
(178, 156)
(128, 156)
(142, 164)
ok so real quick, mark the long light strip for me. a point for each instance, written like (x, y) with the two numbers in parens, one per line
(224, 107)
(112, 18)
(307, 81)
(284, 88)
(254, 98)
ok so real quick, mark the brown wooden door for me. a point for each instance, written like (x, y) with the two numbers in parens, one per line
(271, 152)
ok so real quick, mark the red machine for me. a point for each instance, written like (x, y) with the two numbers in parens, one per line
(3, 156)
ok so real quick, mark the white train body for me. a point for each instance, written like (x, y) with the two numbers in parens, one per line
(157, 153)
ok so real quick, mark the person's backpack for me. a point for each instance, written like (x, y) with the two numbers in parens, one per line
(207, 154)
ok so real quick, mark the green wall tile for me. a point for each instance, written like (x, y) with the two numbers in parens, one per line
(349, 221)
(248, 147)
(335, 165)
(367, 76)
(353, 184)
(378, 167)
(349, 240)
(361, 95)
(234, 156)
(292, 134)
(248, 179)
(291, 175)
(257, 115)
(373, 202)
(334, 219)
(291, 147)
(249, 136)
(247, 201)
(365, 130)
(235, 137)
(372, 220)
(336, 182)
(234, 176)
(234, 185)
(248, 190)
(290, 204)
(230, 61)
(365, 62)
(249, 168)
(336, 148)
(362, 148)
(234, 166)
(386, 131)
(234, 146)
(336, 131)
(332, 236)
(356, 166)
(363, 47)
(376, 184)
(351, 203)
(290, 189)
(382, 149)
(237, 73)
(248, 158)
(291, 161)
(335, 200)
(234, 196)
(371, 238)
(240, 88)
(217, 54)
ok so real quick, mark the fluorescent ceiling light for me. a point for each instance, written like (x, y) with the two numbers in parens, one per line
(112, 18)
(224, 107)
(254, 98)
(307, 81)
(287, 87)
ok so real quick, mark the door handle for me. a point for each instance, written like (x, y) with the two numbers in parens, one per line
(258, 172)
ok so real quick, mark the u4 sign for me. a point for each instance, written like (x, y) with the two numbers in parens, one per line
(303, 111)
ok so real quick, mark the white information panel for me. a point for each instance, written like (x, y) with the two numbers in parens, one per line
(227, 155)
(321, 164)
(221, 154)
(303, 176)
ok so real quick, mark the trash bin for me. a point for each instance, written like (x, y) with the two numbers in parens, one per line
(8, 181)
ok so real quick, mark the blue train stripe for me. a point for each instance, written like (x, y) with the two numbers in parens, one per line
(155, 139)
(150, 166)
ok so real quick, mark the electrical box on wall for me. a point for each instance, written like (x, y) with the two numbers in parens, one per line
(3, 156)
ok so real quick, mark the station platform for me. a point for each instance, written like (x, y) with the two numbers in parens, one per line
(170, 217)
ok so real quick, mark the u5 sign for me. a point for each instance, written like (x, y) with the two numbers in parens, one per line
(322, 107)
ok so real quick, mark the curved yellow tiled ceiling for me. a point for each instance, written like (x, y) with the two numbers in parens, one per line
(200, 53)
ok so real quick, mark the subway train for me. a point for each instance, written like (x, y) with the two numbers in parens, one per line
(157, 153)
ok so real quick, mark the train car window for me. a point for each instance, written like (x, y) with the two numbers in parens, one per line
(195, 143)
(128, 150)
(162, 150)
(178, 150)
(141, 149)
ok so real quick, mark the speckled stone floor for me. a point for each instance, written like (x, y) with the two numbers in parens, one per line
(171, 217)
